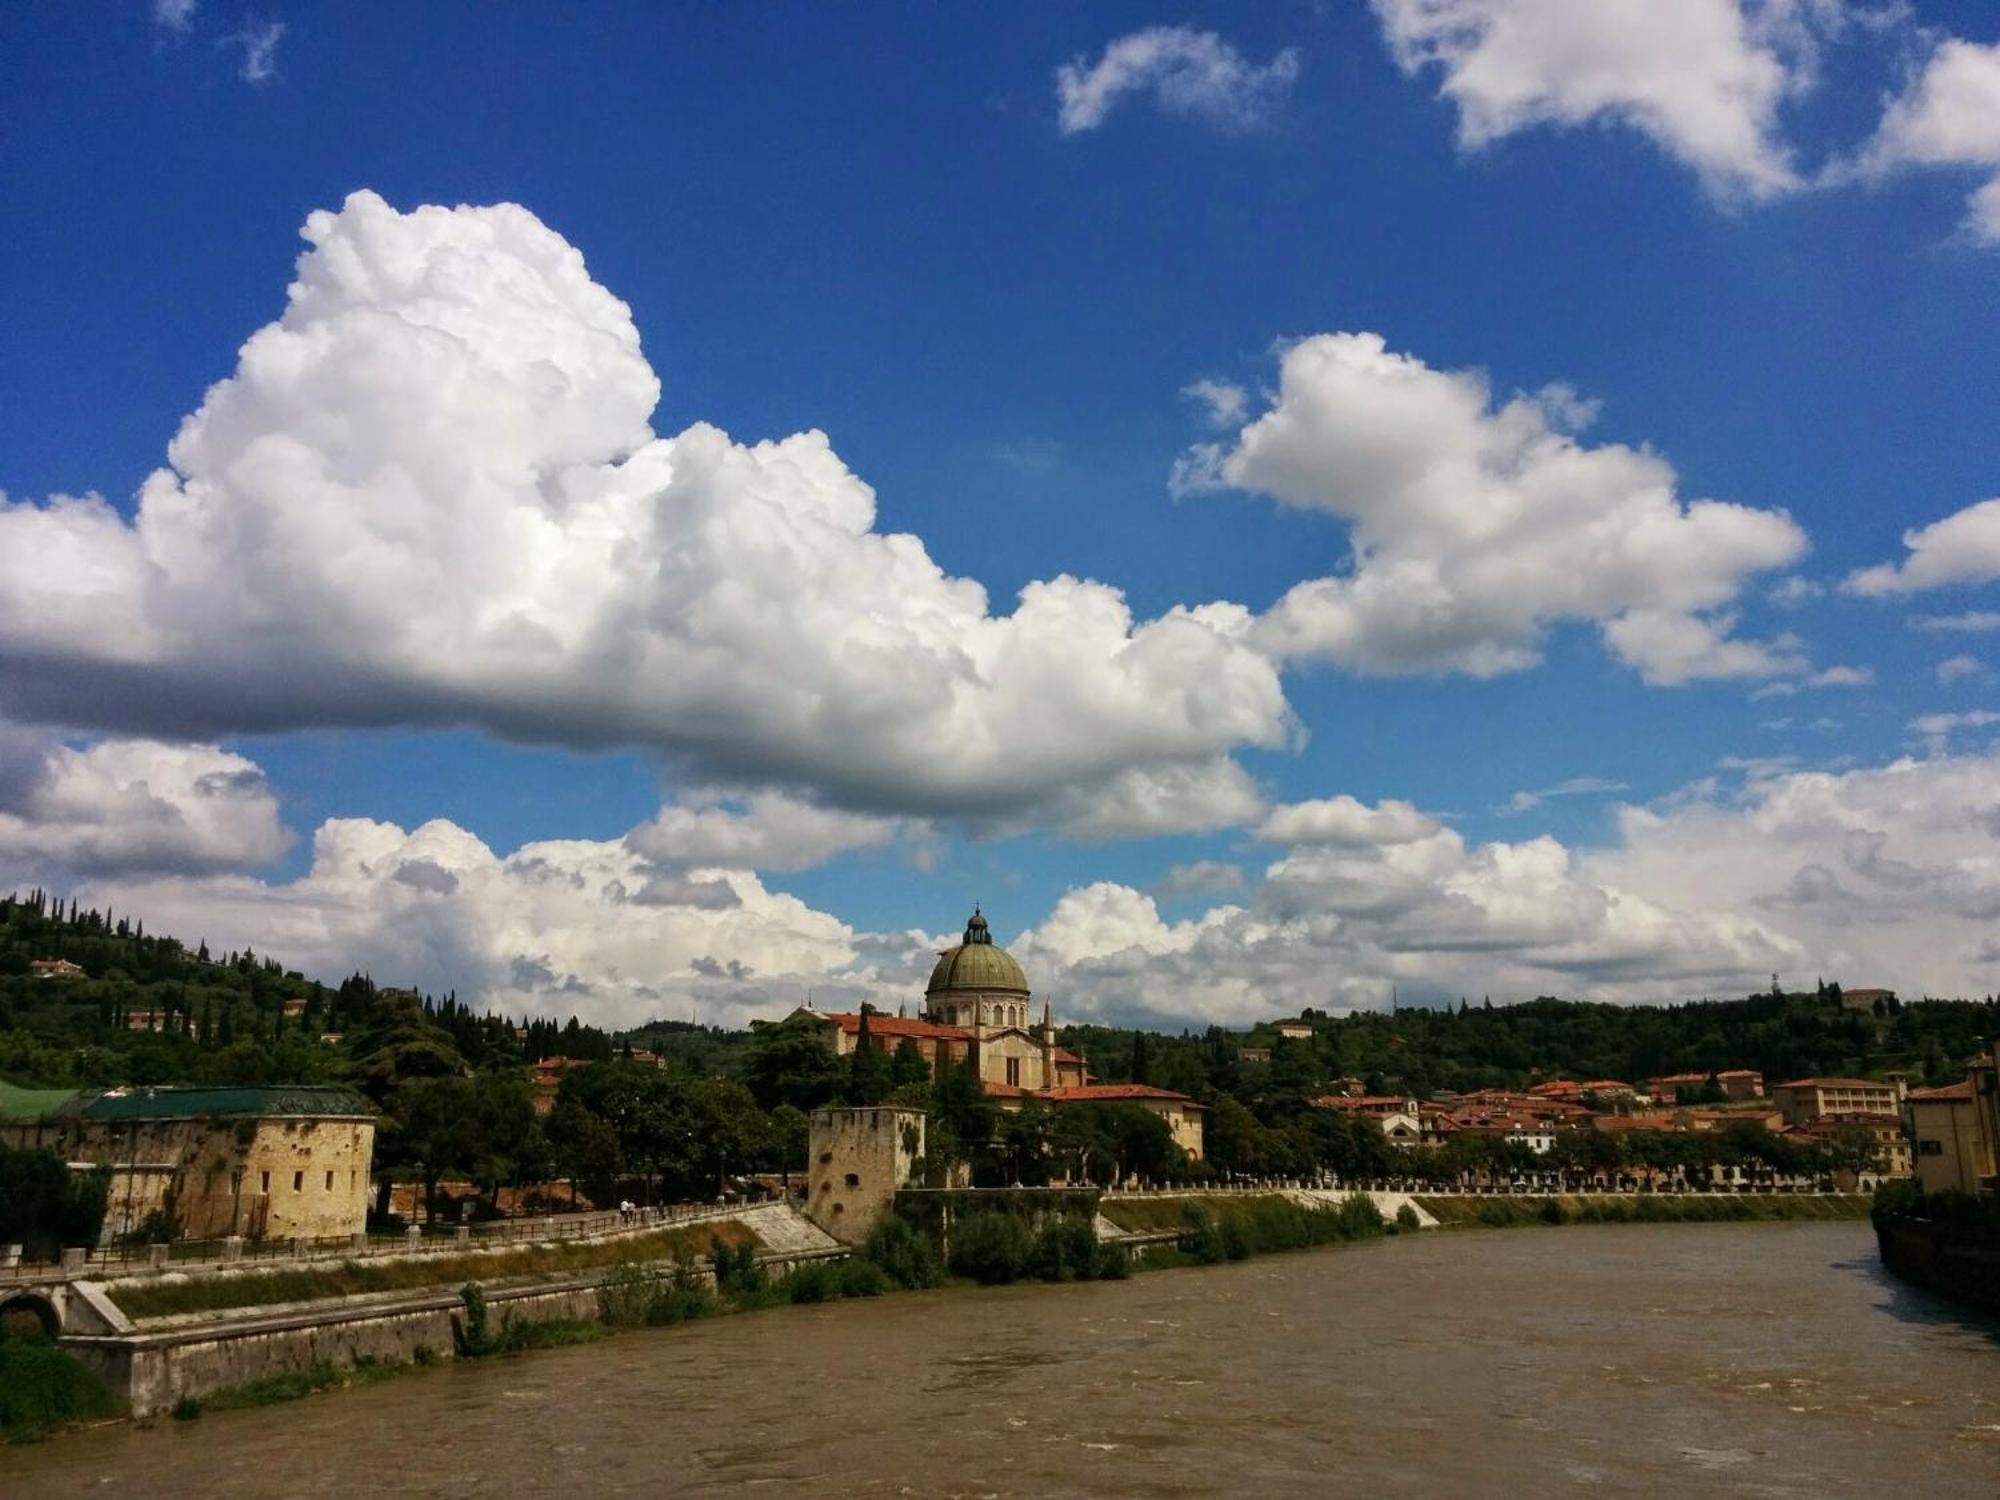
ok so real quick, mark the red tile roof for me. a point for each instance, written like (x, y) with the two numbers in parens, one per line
(899, 1026)
(1094, 1093)
(1949, 1091)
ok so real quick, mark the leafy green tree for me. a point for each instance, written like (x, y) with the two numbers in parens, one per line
(908, 1066)
(790, 1062)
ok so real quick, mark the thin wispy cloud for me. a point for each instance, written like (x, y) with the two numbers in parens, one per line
(174, 15)
(259, 42)
(1188, 72)
(1223, 401)
(1952, 668)
(1575, 786)
(1971, 622)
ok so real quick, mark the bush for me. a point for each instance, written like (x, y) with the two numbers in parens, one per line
(1406, 1218)
(1235, 1240)
(860, 1277)
(680, 1301)
(469, 1332)
(1552, 1212)
(41, 1388)
(991, 1248)
(902, 1254)
(625, 1298)
(736, 1269)
(1198, 1234)
(1113, 1263)
(1066, 1249)
(186, 1409)
(812, 1282)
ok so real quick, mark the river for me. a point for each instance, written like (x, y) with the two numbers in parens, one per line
(1669, 1360)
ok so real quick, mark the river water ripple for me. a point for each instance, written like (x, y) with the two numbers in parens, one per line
(1668, 1360)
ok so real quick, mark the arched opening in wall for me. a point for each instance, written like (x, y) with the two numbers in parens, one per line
(854, 1179)
(29, 1317)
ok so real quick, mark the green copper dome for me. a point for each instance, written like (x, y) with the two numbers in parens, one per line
(977, 964)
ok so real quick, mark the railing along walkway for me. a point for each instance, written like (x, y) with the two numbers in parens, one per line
(99, 1263)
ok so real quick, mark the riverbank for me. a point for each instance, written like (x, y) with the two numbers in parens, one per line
(1522, 1211)
(1683, 1362)
(485, 1317)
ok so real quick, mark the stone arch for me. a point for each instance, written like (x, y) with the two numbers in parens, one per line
(29, 1314)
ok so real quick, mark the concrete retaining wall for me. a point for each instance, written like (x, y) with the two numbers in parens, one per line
(1961, 1262)
(154, 1364)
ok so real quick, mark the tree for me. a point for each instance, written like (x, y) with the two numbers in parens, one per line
(586, 1149)
(789, 1062)
(868, 1072)
(907, 1066)
(46, 1207)
(1141, 1059)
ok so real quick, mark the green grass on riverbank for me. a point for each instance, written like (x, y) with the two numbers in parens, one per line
(164, 1298)
(42, 1388)
(1642, 1208)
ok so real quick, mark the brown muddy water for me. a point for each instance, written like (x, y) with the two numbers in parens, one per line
(1671, 1360)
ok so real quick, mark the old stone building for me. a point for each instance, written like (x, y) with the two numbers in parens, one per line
(263, 1163)
(858, 1158)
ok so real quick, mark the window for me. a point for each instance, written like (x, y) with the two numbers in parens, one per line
(263, 1182)
(1014, 1072)
(298, 1182)
(854, 1179)
(1930, 1148)
(329, 1182)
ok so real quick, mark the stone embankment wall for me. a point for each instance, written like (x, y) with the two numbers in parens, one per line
(1961, 1262)
(154, 1363)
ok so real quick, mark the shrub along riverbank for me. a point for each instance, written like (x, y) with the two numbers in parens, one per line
(42, 1388)
(1642, 1208)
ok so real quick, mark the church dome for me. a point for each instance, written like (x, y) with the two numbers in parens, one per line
(977, 964)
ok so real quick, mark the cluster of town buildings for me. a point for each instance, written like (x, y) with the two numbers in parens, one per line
(1946, 1137)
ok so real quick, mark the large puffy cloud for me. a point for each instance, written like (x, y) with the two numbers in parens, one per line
(555, 928)
(1475, 525)
(122, 806)
(1342, 923)
(1949, 116)
(429, 494)
(768, 831)
(1188, 72)
(1962, 548)
(1702, 78)
(1884, 875)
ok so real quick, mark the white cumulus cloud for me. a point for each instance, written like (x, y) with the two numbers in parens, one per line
(429, 494)
(1475, 525)
(1188, 72)
(121, 806)
(1703, 79)
(591, 928)
(1949, 116)
(1962, 548)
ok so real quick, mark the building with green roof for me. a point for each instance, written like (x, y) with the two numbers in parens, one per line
(285, 1162)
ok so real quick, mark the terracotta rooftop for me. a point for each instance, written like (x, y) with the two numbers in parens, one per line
(880, 1025)
(1093, 1093)
(1960, 1090)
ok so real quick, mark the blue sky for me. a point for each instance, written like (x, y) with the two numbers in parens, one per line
(872, 222)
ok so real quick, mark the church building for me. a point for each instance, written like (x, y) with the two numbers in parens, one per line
(978, 1009)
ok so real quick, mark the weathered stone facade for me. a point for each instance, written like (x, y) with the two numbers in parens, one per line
(259, 1163)
(859, 1158)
